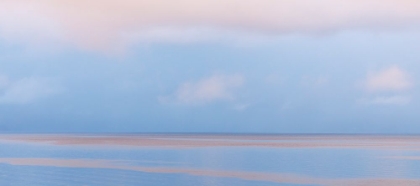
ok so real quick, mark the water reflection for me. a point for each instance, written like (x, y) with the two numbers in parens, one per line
(194, 141)
(209, 160)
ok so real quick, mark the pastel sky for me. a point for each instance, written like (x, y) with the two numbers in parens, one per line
(241, 66)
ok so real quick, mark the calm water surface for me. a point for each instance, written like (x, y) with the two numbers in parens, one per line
(213, 160)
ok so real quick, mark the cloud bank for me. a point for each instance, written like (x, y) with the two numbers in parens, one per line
(105, 24)
(390, 100)
(25, 90)
(210, 89)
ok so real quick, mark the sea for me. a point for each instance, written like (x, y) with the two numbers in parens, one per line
(209, 160)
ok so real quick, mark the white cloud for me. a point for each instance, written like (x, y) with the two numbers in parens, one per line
(214, 88)
(314, 82)
(104, 24)
(241, 106)
(389, 79)
(26, 90)
(388, 100)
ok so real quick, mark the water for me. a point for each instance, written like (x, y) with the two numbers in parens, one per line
(209, 160)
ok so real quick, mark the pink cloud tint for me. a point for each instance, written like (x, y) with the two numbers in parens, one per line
(114, 24)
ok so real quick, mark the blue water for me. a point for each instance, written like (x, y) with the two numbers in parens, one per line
(325, 163)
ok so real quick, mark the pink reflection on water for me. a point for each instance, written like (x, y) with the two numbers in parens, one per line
(196, 141)
(251, 176)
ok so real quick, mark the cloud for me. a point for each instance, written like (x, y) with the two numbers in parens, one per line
(241, 106)
(314, 82)
(388, 100)
(214, 88)
(393, 81)
(26, 90)
(389, 79)
(104, 24)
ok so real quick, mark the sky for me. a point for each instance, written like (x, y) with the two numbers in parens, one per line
(210, 66)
